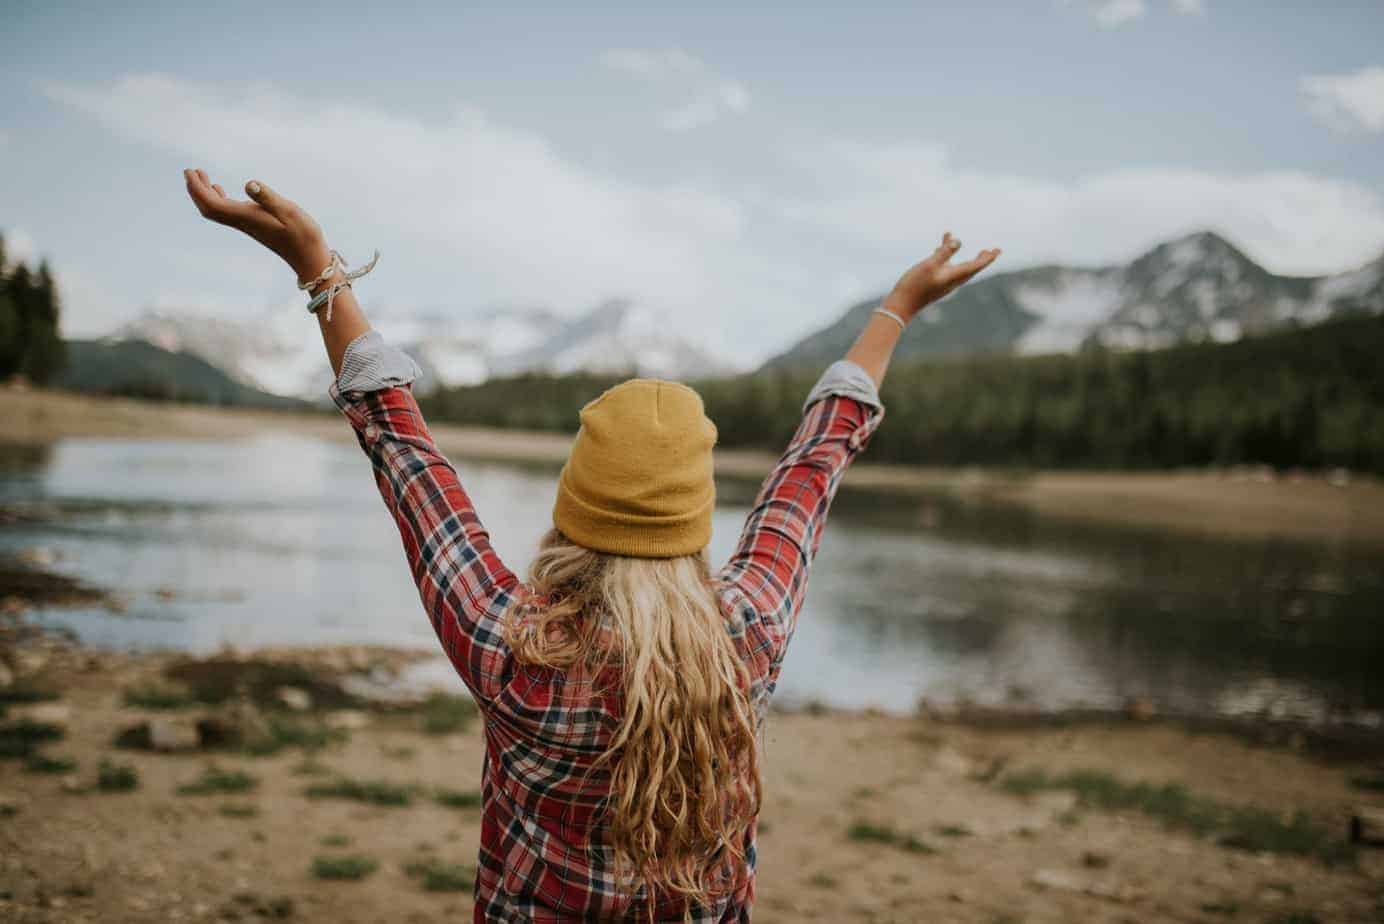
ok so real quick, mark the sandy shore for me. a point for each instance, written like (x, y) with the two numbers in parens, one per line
(867, 818)
(1239, 503)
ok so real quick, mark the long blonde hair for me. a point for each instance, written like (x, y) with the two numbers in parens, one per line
(683, 762)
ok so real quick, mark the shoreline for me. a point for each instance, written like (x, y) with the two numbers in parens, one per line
(237, 786)
(1244, 503)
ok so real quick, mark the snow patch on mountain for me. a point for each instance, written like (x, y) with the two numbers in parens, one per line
(1067, 309)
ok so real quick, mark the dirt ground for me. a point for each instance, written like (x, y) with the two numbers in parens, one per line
(1248, 503)
(866, 818)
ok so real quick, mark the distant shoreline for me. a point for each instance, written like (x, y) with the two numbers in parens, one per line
(1241, 503)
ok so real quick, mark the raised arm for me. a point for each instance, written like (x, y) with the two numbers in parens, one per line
(770, 565)
(464, 586)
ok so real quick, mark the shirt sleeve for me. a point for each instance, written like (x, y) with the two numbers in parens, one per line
(464, 587)
(770, 565)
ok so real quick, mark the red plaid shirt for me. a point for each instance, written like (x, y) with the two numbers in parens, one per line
(542, 854)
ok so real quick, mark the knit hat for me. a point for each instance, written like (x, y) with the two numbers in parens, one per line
(638, 480)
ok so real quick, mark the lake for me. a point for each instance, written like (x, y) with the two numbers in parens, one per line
(276, 540)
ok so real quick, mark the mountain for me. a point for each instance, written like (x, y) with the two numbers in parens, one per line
(277, 355)
(1196, 288)
(140, 369)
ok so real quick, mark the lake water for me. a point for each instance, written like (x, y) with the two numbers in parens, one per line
(274, 540)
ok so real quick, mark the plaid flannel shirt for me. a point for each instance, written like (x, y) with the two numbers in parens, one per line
(543, 856)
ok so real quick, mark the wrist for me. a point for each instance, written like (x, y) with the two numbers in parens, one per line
(904, 308)
(309, 263)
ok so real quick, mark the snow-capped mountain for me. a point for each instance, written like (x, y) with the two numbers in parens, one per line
(1199, 287)
(279, 355)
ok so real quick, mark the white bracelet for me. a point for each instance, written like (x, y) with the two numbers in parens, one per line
(903, 325)
(329, 293)
(332, 263)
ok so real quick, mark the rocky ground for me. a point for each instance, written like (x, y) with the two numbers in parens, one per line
(317, 785)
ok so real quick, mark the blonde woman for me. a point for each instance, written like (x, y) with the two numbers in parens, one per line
(624, 684)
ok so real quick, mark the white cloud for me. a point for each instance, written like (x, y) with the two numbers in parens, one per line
(516, 219)
(896, 198)
(712, 96)
(1111, 14)
(647, 63)
(1347, 102)
(19, 246)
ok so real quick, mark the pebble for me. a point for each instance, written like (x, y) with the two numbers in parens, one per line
(295, 698)
(173, 734)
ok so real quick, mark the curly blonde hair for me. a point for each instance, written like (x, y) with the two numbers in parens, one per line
(684, 769)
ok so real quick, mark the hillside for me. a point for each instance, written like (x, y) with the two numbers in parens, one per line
(1299, 398)
(139, 369)
(276, 353)
(1195, 289)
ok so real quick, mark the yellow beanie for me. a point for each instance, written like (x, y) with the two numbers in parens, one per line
(638, 481)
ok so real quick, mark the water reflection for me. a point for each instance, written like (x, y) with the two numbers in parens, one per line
(268, 541)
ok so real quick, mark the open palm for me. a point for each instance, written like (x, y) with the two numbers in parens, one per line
(268, 217)
(935, 277)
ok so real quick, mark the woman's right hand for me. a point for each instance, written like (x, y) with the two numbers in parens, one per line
(933, 278)
(269, 218)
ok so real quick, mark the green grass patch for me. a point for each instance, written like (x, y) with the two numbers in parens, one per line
(27, 693)
(438, 876)
(284, 733)
(159, 696)
(335, 840)
(371, 792)
(271, 907)
(870, 833)
(1242, 827)
(445, 714)
(214, 780)
(21, 738)
(219, 679)
(1227, 909)
(113, 777)
(344, 866)
(1372, 783)
(42, 763)
(952, 831)
(238, 810)
(457, 798)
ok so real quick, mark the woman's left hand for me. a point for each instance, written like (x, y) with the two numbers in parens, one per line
(269, 218)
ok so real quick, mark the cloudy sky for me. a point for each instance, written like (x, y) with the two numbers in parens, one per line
(743, 172)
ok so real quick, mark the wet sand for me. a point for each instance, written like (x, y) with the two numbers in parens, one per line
(1241, 503)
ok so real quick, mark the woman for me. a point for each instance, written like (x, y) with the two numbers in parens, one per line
(623, 685)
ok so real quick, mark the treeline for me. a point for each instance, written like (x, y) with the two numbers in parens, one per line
(1309, 398)
(29, 341)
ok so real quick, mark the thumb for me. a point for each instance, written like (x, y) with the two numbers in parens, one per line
(273, 203)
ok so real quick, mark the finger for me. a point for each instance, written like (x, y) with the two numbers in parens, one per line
(217, 206)
(961, 272)
(219, 191)
(944, 252)
(273, 203)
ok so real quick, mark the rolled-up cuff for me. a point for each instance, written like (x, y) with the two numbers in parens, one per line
(370, 364)
(844, 377)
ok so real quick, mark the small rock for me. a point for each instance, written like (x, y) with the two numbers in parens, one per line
(1055, 802)
(10, 804)
(1141, 709)
(49, 713)
(6, 676)
(1057, 879)
(348, 719)
(167, 733)
(295, 698)
(1094, 859)
(949, 760)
